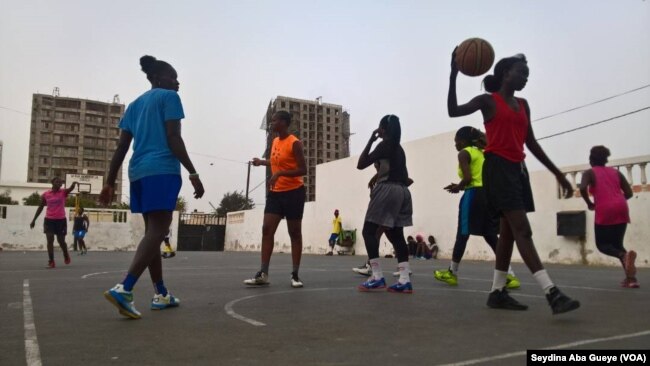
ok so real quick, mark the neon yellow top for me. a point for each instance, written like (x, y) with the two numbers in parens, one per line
(475, 167)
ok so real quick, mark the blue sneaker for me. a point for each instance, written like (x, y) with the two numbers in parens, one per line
(372, 284)
(160, 302)
(123, 301)
(402, 288)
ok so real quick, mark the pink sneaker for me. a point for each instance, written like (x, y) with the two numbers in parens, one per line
(630, 283)
(50, 264)
(630, 268)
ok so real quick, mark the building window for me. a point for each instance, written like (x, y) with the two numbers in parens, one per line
(336, 121)
(328, 128)
(336, 113)
(336, 146)
(328, 145)
(328, 111)
(336, 138)
(328, 136)
(336, 129)
(336, 155)
(282, 104)
(328, 154)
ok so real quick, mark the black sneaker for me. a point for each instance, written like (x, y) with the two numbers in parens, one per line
(561, 303)
(499, 299)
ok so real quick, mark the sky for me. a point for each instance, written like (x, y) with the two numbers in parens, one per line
(373, 57)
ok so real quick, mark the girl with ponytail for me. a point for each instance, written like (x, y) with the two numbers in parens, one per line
(505, 177)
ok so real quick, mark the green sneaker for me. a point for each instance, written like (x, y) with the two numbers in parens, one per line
(447, 277)
(512, 282)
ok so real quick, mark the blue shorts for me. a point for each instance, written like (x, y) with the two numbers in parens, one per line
(79, 234)
(333, 237)
(155, 193)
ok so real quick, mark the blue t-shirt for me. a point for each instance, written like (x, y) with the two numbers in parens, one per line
(145, 119)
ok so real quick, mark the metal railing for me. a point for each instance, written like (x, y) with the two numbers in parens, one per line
(634, 170)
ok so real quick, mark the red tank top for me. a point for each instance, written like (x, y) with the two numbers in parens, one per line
(507, 130)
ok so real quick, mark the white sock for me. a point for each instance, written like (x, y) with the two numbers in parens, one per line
(453, 267)
(544, 280)
(404, 269)
(499, 280)
(376, 269)
(510, 271)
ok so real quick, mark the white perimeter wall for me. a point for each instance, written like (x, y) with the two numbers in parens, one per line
(432, 164)
(15, 233)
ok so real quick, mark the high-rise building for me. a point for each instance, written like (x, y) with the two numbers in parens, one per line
(72, 136)
(323, 128)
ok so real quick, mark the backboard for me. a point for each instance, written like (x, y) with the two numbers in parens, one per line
(92, 184)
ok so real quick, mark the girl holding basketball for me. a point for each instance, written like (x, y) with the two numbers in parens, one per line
(153, 122)
(505, 177)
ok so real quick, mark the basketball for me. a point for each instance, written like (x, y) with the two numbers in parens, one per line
(474, 57)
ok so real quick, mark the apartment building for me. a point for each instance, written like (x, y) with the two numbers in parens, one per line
(72, 136)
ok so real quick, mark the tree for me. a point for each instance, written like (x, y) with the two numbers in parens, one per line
(181, 204)
(84, 202)
(5, 198)
(33, 199)
(234, 201)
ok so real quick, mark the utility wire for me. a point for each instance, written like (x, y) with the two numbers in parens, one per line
(14, 110)
(593, 124)
(592, 103)
(218, 158)
(257, 186)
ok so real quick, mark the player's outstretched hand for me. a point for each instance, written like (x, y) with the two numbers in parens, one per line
(454, 67)
(106, 195)
(198, 187)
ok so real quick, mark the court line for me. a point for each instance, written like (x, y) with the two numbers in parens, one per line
(229, 306)
(560, 346)
(32, 351)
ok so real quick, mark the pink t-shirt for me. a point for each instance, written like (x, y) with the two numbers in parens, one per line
(611, 205)
(55, 204)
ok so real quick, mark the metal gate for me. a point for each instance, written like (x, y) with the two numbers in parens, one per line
(201, 232)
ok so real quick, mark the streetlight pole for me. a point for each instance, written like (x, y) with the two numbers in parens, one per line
(248, 180)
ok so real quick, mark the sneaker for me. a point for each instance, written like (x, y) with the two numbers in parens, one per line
(372, 284)
(260, 279)
(630, 283)
(512, 282)
(499, 299)
(559, 302)
(160, 302)
(630, 268)
(66, 259)
(123, 301)
(402, 288)
(51, 264)
(329, 253)
(295, 281)
(364, 270)
(447, 277)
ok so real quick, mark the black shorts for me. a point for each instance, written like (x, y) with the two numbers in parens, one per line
(610, 234)
(55, 226)
(287, 204)
(507, 185)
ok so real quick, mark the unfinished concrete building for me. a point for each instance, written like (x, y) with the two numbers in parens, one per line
(323, 128)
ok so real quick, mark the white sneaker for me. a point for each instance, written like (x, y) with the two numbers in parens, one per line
(260, 279)
(295, 281)
(160, 302)
(364, 270)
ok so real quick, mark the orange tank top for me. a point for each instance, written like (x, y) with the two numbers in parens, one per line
(282, 159)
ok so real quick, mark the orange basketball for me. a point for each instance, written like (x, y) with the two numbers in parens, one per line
(474, 57)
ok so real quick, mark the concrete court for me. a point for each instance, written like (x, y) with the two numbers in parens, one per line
(326, 323)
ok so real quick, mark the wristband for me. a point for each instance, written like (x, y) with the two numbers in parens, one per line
(194, 175)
